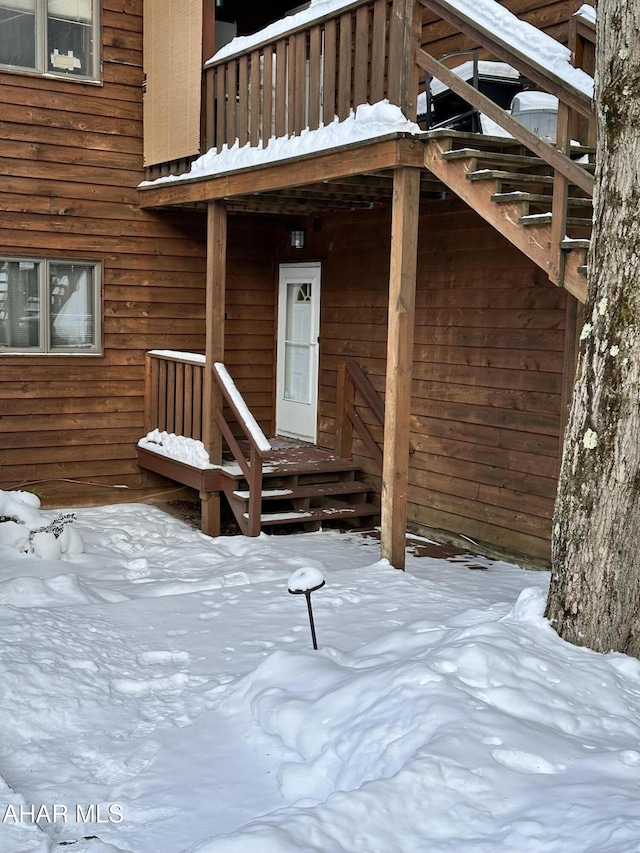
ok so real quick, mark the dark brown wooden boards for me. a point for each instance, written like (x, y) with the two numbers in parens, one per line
(402, 289)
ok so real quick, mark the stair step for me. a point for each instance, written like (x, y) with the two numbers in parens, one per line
(511, 177)
(287, 468)
(545, 219)
(582, 150)
(537, 199)
(460, 138)
(497, 157)
(317, 514)
(573, 243)
(311, 490)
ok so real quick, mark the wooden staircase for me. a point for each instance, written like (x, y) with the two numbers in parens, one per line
(304, 485)
(513, 191)
(266, 482)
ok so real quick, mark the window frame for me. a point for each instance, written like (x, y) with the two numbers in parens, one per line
(44, 316)
(41, 49)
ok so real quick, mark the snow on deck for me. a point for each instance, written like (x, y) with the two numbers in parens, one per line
(189, 451)
(370, 121)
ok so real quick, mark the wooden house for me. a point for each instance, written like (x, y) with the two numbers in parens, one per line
(406, 304)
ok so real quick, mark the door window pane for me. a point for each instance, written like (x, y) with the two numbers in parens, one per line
(297, 364)
(296, 373)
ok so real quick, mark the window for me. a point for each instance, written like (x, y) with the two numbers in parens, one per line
(50, 37)
(49, 306)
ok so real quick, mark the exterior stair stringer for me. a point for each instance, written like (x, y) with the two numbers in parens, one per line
(533, 240)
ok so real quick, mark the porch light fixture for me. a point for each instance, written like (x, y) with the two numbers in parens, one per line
(297, 238)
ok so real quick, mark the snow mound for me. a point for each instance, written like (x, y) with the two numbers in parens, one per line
(25, 529)
(529, 608)
(35, 592)
(178, 447)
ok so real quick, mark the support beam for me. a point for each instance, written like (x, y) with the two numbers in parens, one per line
(212, 398)
(402, 290)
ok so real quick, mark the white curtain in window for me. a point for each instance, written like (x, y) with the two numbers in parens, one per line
(69, 10)
(74, 322)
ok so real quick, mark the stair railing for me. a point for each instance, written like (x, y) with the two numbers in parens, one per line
(352, 379)
(258, 443)
(572, 103)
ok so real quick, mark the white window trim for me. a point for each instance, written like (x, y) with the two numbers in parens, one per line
(42, 64)
(44, 350)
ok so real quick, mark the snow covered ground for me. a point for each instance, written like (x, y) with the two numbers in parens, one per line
(159, 691)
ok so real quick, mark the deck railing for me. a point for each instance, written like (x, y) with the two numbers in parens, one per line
(351, 380)
(173, 393)
(313, 72)
(369, 50)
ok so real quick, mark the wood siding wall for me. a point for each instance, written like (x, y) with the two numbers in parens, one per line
(72, 158)
(488, 359)
(250, 326)
(489, 326)
(489, 341)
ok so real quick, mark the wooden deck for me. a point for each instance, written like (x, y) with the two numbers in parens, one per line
(301, 484)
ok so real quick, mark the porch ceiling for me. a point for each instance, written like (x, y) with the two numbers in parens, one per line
(356, 175)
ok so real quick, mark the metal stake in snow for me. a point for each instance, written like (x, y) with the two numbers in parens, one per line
(303, 582)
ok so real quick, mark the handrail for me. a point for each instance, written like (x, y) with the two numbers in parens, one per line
(542, 76)
(582, 44)
(575, 116)
(352, 378)
(225, 54)
(545, 150)
(258, 443)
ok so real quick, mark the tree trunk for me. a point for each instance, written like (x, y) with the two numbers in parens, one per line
(595, 589)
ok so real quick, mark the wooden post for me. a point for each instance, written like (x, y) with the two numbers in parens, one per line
(560, 198)
(212, 398)
(150, 394)
(345, 396)
(405, 28)
(402, 290)
(207, 110)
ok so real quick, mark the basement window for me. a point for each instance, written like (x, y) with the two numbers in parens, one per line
(57, 37)
(49, 307)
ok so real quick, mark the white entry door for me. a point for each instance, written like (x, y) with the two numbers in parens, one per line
(298, 351)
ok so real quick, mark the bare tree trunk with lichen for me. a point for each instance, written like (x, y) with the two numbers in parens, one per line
(595, 589)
